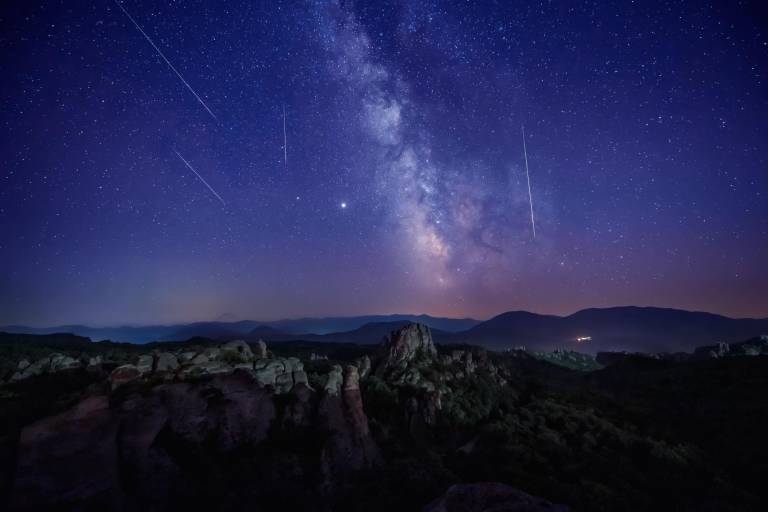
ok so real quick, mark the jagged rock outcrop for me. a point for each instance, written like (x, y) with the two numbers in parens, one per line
(364, 365)
(405, 345)
(50, 364)
(334, 380)
(282, 374)
(408, 344)
(350, 447)
(261, 350)
(490, 497)
(138, 448)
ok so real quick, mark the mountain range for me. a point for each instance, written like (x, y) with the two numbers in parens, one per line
(299, 328)
(645, 329)
(630, 328)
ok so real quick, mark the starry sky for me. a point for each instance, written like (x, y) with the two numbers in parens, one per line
(170, 161)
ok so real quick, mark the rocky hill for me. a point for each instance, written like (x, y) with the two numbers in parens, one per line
(633, 329)
(405, 424)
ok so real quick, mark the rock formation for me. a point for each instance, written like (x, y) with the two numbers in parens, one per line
(411, 343)
(136, 446)
(123, 375)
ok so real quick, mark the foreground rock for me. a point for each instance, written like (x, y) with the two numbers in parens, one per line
(152, 450)
(490, 497)
(282, 374)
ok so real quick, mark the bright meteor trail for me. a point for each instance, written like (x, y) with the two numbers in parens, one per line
(166, 61)
(285, 141)
(528, 176)
(201, 178)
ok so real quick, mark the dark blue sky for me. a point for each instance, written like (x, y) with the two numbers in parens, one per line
(404, 186)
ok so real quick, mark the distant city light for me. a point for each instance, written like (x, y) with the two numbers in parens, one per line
(583, 339)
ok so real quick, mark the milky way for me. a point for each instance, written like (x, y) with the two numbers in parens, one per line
(406, 186)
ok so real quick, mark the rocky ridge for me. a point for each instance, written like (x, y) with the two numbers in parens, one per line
(220, 400)
(234, 397)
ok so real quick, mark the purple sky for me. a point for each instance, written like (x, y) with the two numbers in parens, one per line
(404, 186)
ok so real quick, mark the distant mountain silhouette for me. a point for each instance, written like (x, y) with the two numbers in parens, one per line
(372, 333)
(301, 328)
(53, 340)
(644, 329)
(209, 330)
(345, 324)
(630, 328)
(268, 333)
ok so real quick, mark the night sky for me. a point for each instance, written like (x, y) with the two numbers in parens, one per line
(135, 190)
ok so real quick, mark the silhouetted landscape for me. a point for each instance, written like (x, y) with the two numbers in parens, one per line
(380, 424)
(620, 328)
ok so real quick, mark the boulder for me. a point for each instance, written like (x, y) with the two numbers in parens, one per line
(490, 497)
(54, 359)
(166, 362)
(267, 370)
(207, 368)
(37, 368)
(239, 347)
(69, 363)
(146, 364)
(185, 357)
(334, 380)
(65, 363)
(23, 365)
(123, 374)
(60, 362)
(364, 366)
(260, 350)
(199, 359)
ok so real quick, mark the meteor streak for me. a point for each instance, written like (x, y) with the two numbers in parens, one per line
(528, 176)
(166, 60)
(285, 141)
(201, 178)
